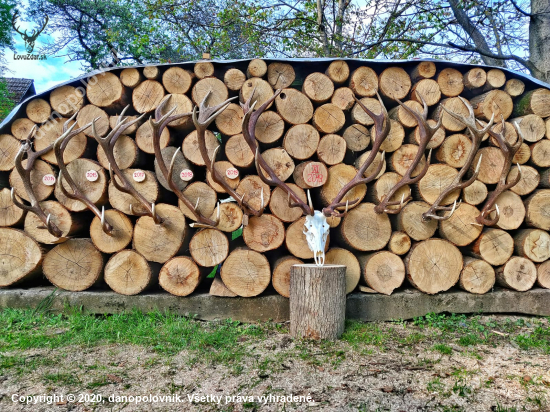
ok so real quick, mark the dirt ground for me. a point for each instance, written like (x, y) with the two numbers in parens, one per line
(412, 370)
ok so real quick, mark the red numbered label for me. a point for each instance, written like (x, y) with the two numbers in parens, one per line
(139, 176)
(232, 173)
(186, 175)
(92, 175)
(48, 180)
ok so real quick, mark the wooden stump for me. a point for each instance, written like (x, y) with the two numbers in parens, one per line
(246, 272)
(10, 215)
(317, 301)
(181, 276)
(121, 236)
(518, 273)
(533, 244)
(159, 243)
(343, 257)
(365, 230)
(20, 257)
(90, 113)
(382, 271)
(281, 274)
(477, 276)
(209, 247)
(433, 265)
(74, 265)
(128, 273)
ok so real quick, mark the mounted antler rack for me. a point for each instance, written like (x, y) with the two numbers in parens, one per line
(206, 115)
(509, 151)
(159, 124)
(458, 184)
(262, 167)
(426, 133)
(59, 149)
(25, 173)
(107, 143)
(382, 127)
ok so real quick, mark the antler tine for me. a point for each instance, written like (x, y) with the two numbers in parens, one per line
(382, 127)
(59, 147)
(25, 174)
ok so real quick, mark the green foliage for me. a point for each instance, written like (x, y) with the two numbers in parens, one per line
(444, 349)
(6, 102)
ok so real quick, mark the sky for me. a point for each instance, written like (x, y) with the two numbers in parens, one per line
(46, 73)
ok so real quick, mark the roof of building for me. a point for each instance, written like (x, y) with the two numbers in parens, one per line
(21, 88)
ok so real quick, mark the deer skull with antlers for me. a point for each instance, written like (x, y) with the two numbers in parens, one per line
(28, 39)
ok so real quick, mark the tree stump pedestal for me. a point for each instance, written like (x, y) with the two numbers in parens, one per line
(317, 301)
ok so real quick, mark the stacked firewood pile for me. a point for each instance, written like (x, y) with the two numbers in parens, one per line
(432, 176)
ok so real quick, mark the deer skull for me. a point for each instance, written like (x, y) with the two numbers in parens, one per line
(316, 230)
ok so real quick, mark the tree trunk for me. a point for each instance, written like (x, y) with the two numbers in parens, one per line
(382, 271)
(331, 149)
(381, 187)
(238, 151)
(477, 276)
(280, 75)
(75, 265)
(317, 301)
(151, 72)
(181, 276)
(301, 141)
(433, 265)
(262, 91)
(160, 242)
(514, 87)
(108, 92)
(121, 236)
(229, 122)
(252, 187)
(540, 153)
(294, 106)
(403, 116)
(409, 220)
(10, 215)
(328, 118)
(460, 229)
(20, 257)
(496, 101)
(281, 274)
(128, 273)
(69, 224)
(533, 102)
(209, 247)
(9, 146)
(512, 210)
(495, 246)
(427, 89)
(246, 272)
(343, 257)
(50, 132)
(231, 217)
(518, 273)
(264, 233)
(400, 243)
(365, 230)
(475, 78)
(199, 193)
(533, 244)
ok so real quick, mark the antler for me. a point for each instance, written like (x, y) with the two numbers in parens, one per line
(107, 143)
(426, 134)
(382, 127)
(509, 151)
(25, 173)
(13, 20)
(59, 148)
(38, 31)
(457, 183)
(159, 124)
(206, 116)
(250, 120)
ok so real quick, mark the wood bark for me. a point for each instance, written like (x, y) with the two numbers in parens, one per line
(433, 265)
(75, 265)
(533, 102)
(128, 273)
(317, 301)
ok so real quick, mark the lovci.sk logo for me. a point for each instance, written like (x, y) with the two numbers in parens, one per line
(29, 40)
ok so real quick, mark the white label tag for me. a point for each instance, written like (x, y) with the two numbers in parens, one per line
(48, 180)
(232, 173)
(139, 176)
(92, 175)
(186, 175)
